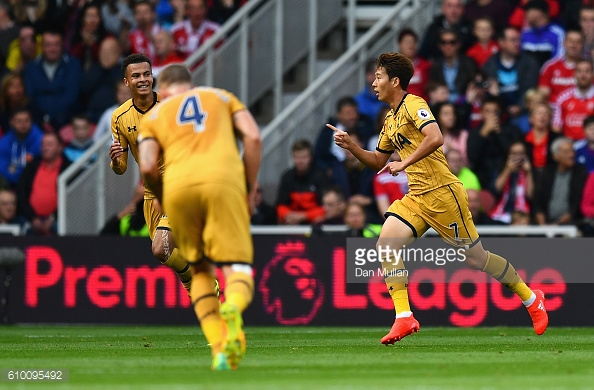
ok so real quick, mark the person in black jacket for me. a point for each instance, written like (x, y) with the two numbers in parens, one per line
(560, 187)
(37, 191)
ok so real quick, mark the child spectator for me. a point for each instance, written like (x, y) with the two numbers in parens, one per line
(81, 129)
(485, 46)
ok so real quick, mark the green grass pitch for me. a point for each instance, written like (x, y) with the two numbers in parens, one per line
(104, 357)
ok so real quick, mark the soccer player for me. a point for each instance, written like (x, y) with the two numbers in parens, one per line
(436, 198)
(125, 120)
(205, 191)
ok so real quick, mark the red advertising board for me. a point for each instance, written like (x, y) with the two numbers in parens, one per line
(299, 281)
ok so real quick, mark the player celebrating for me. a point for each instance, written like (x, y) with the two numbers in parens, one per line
(204, 194)
(436, 198)
(138, 76)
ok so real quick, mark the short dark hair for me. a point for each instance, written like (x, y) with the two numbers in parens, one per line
(397, 65)
(19, 110)
(588, 121)
(501, 33)
(301, 144)
(142, 2)
(405, 32)
(135, 58)
(345, 101)
(337, 190)
(174, 73)
(492, 99)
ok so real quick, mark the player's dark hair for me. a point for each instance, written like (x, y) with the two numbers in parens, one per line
(135, 58)
(397, 65)
(589, 120)
(406, 32)
(301, 144)
(174, 74)
(345, 101)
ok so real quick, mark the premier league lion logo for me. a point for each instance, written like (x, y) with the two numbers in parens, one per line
(289, 286)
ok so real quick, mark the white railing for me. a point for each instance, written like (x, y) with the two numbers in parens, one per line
(484, 230)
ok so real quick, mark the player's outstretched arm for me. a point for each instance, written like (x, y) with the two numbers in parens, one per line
(374, 160)
(149, 151)
(249, 132)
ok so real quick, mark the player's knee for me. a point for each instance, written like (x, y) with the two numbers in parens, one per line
(475, 262)
(159, 251)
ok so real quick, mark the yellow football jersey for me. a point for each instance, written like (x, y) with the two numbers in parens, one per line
(402, 132)
(195, 131)
(125, 122)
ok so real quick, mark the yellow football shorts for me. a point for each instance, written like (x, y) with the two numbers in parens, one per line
(210, 221)
(445, 209)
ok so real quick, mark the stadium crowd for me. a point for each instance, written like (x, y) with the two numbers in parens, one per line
(520, 140)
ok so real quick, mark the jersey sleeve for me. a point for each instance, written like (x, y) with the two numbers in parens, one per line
(384, 145)
(419, 113)
(117, 136)
(234, 103)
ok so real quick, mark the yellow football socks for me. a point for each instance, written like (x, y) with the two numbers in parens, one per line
(206, 306)
(501, 270)
(181, 267)
(397, 283)
(239, 290)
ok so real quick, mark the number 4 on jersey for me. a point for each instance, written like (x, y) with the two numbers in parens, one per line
(191, 112)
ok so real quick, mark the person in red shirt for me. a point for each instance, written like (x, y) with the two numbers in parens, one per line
(558, 74)
(540, 137)
(407, 45)
(165, 52)
(517, 17)
(575, 104)
(191, 33)
(485, 46)
(140, 39)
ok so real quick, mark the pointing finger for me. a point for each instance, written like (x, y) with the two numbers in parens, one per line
(384, 168)
(334, 128)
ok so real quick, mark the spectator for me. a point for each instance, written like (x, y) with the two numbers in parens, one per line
(300, 190)
(452, 18)
(367, 102)
(334, 205)
(540, 37)
(584, 150)
(560, 187)
(9, 31)
(8, 208)
(165, 52)
(30, 12)
(558, 74)
(191, 33)
(118, 18)
(97, 89)
(81, 129)
(469, 111)
(454, 136)
(12, 97)
(458, 167)
(23, 50)
(488, 143)
(388, 188)
(514, 71)
(88, 36)
(219, 11)
(575, 104)
(438, 92)
(264, 214)
(485, 45)
(407, 45)
(518, 17)
(140, 39)
(327, 154)
(356, 221)
(479, 217)
(19, 146)
(532, 98)
(53, 81)
(540, 137)
(587, 27)
(495, 10)
(587, 207)
(454, 69)
(122, 93)
(37, 192)
(515, 185)
(129, 222)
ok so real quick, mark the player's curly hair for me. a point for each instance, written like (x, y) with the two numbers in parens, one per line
(396, 65)
(135, 58)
